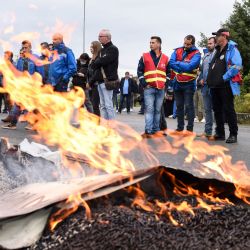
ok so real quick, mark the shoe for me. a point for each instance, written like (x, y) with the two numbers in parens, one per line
(117, 111)
(177, 132)
(205, 135)
(231, 139)
(147, 136)
(9, 126)
(171, 116)
(140, 113)
(131, 110)
(164, 132)
(219, 137)
(203, 120)
(7, 119)
(5, 111)
(124, 109)
(29, 127)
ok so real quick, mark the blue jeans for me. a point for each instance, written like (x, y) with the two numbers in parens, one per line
(174, 109)
(106, 102)
(184, 97)
(207, 100)
(153, 99)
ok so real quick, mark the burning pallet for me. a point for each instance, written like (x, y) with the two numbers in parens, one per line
(154, 207)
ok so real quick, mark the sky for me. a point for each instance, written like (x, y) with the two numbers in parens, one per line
(132, 23)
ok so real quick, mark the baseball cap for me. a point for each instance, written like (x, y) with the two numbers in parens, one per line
(222, 31)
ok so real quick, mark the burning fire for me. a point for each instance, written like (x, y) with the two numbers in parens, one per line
(105, 146)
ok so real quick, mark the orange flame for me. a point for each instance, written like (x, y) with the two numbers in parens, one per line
(105, 146)
(71, 206)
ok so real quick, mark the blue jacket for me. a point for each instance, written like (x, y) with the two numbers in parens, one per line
(184, 67)
(233, 56)
(63, 67)
(32, 68)
(205, 66)
(43, 70)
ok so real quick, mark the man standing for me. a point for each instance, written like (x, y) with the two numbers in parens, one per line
(207, 100)
(24, 63)
(152, 74)
(63, 66)
(126, 87)
(224, 81)
(184, 64)
(107, 61)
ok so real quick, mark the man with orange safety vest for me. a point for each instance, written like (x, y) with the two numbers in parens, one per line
(184, 64)
(152, 74)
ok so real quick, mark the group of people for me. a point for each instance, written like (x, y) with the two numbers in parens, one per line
(218, 77)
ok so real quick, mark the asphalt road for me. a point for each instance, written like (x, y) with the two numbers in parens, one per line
(239, 151)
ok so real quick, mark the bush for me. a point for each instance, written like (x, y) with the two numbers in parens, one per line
(242, 103)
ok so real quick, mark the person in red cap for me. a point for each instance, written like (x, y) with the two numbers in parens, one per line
(224, 82)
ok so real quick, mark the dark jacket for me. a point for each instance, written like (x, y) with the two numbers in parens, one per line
(94, 76)
(79, 80)
(130, 85)
(109, 60)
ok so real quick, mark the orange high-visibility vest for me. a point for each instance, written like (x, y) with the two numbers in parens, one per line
(155, 76)
(184, 77)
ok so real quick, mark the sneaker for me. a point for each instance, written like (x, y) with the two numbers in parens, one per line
(131, 110)
(117, 111)
(9, 126)
(29, 127)
(7, 119)
(203, 120)
(171, 116)
(124, 109)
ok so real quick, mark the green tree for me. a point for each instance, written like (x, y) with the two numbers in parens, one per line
(239, 26)
(203, 40)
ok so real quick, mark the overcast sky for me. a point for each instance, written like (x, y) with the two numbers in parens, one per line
(131, 22)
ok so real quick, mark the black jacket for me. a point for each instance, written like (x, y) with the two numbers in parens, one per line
(132, 86)
(94, 75)
(78, 80)
(109, 60)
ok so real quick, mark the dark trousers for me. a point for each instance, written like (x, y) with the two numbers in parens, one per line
(95, 99)
(115, 100)
(223, 106)
(122, 98)
(184, 98)
(163, 122)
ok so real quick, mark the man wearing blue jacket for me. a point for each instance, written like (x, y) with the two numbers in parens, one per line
(24, 63)
(184, 64)
(63, 66)
(224, 81)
